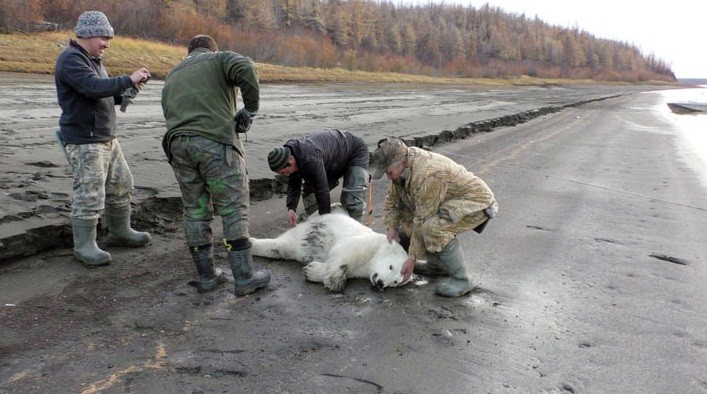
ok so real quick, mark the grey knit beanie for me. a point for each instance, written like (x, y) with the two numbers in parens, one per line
(93, 24)
(277, 158)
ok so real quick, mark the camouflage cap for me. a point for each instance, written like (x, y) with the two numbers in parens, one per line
(389, 151)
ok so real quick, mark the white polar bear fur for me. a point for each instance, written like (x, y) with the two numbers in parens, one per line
(336, 247)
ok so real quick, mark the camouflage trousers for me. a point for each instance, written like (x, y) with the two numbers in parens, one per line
(434, 233)
(213, 179)
(101, 177)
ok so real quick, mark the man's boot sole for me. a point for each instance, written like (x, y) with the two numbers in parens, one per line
(125, 242)
(219, 280)
(250, 288)
(91, 263)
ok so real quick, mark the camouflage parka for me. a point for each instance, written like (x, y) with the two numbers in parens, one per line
(435, 200)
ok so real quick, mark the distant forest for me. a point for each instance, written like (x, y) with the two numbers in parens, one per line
(431, 39)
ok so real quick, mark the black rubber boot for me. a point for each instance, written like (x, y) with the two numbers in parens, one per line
(451, 260)
(210, 278)
(119, 231)
(85, 248)
(246, 281)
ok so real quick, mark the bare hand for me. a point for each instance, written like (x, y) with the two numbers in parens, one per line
(407, 270)
(292, 217)
(140, 76)
(393, 235)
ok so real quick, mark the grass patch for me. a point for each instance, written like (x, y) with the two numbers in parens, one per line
(37, 53)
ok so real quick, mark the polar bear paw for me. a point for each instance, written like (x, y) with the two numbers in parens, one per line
(336, 280)
(315, 271)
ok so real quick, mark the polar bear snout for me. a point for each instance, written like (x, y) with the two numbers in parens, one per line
(377, 283)
(390, 277)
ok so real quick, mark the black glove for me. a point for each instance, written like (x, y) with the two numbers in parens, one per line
(128, 97)
(130, 93)
(244, 119)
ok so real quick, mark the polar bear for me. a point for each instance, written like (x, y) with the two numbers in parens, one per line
(336, 247)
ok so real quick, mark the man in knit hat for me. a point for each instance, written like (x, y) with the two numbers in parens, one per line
(430, 201)
(320, 160)
(87, 132)
(205, 151)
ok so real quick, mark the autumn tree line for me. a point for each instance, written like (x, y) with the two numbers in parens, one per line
(430, 39)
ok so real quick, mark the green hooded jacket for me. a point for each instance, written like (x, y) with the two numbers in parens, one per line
(199, 96)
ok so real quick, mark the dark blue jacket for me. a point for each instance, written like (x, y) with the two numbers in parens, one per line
(323, 158)
(87, 96)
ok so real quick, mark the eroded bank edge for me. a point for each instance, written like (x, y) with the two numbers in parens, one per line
(162, 215)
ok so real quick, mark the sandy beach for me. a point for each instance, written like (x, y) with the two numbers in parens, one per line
(591, 279)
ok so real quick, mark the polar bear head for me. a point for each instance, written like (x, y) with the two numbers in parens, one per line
(386, 266)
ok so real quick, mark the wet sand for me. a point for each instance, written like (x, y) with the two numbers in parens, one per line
(591, 279)
(35, 180)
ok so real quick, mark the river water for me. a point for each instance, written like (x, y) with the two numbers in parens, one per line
(692, 128)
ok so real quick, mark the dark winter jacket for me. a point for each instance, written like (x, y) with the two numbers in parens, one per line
(87, 96)
(322, 159)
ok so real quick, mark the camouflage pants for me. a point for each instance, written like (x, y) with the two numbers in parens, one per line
(434, 233)
(212, 177)
(101, 177)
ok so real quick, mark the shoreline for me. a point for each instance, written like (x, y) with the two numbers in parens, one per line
(36, 186)
(590, 279)
(691, 128)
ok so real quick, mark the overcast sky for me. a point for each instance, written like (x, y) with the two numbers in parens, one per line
(673, 30)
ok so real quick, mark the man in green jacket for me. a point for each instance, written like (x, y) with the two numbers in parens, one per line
(206, 154)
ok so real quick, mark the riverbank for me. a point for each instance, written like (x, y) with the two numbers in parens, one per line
(36, 53)
(36, 184)
(590, 279)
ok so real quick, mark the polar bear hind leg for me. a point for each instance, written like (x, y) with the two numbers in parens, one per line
(273, 249)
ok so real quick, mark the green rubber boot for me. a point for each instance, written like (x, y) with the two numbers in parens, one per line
(451, 260)
(119, 231)
(85, 248)
(246, 281)
(429, 268)
(210, 278)
(353, 192)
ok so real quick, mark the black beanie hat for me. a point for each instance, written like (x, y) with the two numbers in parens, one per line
(277, 158)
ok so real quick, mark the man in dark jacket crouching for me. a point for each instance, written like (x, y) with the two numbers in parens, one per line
(319, 160)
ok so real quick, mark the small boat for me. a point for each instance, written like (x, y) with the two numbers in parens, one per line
(688, 107)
